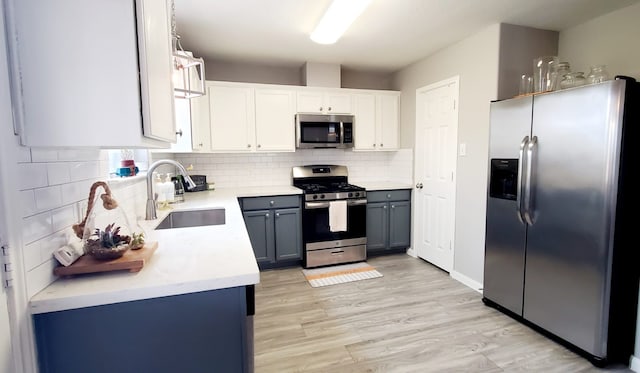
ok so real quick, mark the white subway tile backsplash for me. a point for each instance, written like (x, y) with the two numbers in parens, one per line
(74, 192)
(31, 256)
(63, 217)
(28, 203)
(48, 198)
(40, 277)
(81, 155)
(36, 227)
(32, 175)
(58, 173)
(43, 155)
(84, 170)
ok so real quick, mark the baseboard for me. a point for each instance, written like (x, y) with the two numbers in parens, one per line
(635, 363)
(412, 252)
(473, 284)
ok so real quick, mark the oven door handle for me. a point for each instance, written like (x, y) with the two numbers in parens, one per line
(354, 202)
(325, 205)
(316, 205)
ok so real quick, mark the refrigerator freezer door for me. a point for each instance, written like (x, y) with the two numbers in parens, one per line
(569, 245)
(505, 231)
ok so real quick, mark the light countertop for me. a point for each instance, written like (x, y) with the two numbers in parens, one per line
(187, 259)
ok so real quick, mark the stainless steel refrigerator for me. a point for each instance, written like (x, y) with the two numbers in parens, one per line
(561, 253)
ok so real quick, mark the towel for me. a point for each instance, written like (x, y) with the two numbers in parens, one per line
(338, 216)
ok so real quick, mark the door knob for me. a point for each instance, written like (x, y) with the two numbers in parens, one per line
(419, 186)
(179, 132)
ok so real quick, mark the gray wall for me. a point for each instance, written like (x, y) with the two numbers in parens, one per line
(475, 60)
(234, 71)
(611, 39)
(519, 45)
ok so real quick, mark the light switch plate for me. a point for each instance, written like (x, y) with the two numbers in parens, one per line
(463, 149)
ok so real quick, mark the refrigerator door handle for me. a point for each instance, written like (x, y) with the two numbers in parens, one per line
(529, 203)
(520, 183)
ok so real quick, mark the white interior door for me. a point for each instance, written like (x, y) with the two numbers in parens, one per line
(435, 170)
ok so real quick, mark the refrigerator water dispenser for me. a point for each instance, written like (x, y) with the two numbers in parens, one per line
(503, 182)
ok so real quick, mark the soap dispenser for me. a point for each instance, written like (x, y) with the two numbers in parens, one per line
(169, 189)
(158, 186)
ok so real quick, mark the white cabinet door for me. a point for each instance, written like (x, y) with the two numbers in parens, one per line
(232, 118)
(156, 69)
(275, 125)
(323, 102)
(88, 94)
(337, 103)
(310, 102)
(387, 122)
(364, 111)
(200, 124)
(183, 126)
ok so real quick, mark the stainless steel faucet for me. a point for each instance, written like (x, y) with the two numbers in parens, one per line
(151, 201)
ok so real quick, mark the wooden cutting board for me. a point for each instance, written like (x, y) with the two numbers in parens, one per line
(132, 260)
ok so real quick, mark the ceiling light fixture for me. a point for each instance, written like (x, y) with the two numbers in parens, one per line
(337, 19)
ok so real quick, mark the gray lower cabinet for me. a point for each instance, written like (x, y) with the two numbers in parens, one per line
(208, 331)
(274, 225)
(388, 221)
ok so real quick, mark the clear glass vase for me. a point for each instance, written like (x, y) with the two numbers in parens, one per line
(598, 74)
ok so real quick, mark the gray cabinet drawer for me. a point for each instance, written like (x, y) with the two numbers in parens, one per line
(389, 195)
(270, 202)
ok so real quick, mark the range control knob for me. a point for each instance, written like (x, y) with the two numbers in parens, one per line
(322, 196)
(357, 194)
(315, 196)
(351, 194)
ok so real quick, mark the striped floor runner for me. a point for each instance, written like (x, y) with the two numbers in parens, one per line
(340, 274)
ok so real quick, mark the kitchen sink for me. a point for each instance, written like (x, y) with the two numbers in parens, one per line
(193, 218)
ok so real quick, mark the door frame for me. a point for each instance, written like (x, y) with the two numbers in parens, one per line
(430, 87)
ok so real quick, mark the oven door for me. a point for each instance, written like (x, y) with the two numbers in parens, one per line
(315, 222)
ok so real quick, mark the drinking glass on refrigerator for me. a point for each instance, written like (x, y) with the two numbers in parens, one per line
(544, 73)
(526, 85)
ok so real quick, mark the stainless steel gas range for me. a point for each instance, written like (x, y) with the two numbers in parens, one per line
(333, 216)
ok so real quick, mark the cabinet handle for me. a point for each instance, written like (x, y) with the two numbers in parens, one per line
(277, 214)
(329, 108)
(388, 195)
(272, 203)
(384, 207)
(266, 215)
(179, 132)
(248, 145)
(381, 145)
(201, 145)
(259, 146)
(374, 145)
(393, 206)
(320, 108)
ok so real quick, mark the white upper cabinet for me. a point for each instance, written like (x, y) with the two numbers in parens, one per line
(377, 120)
(83, 74)
(200, 124)
(325, 102)
(232, 118)
(275, 124)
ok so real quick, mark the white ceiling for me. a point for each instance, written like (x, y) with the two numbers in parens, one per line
(389, 35)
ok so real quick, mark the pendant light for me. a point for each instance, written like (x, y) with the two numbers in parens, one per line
(188, 71)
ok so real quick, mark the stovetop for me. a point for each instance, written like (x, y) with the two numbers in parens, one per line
(325, 182)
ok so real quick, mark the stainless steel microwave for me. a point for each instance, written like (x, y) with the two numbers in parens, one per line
(324, 131)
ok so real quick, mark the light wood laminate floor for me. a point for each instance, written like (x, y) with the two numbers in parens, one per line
(414, 319)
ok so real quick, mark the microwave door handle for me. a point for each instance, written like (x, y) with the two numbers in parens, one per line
(341, 132)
